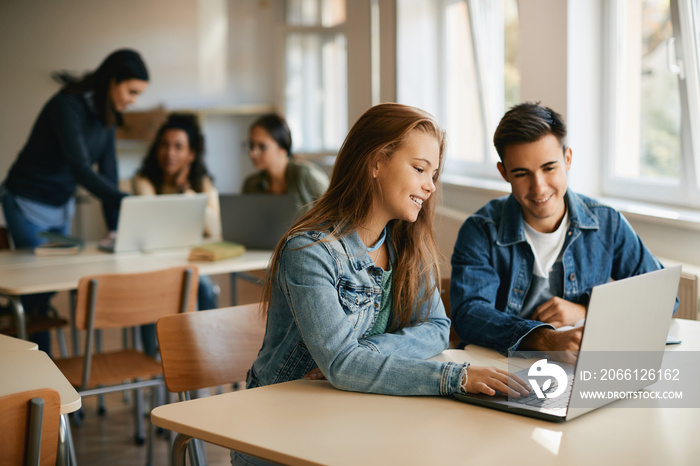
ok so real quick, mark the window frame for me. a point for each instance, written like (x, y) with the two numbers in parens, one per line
(685, 192)
(327, 32)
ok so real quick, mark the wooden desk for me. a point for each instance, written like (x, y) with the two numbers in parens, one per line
(23, 370)
(309, 422)
(22, 272)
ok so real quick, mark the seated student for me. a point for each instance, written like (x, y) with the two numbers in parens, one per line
(524, 265)
(352, 289)
(270, 148)
(175, 164)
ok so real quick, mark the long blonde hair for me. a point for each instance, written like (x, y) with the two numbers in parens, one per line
(379, 132)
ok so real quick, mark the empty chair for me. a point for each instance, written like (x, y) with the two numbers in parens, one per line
(122, 301)
(30, 424)
(209, 348)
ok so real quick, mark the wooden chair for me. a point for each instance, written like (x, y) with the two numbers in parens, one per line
(30, 423)
(445, 296)
(124, 301)
(209, 348)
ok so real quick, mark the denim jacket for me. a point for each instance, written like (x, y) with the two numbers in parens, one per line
(324, 301)
(492, 266)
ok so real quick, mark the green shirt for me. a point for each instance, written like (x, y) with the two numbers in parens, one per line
(304, 179)
(385, 307)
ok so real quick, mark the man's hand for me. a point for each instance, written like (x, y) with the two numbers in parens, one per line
(565, 343)
(559, 312)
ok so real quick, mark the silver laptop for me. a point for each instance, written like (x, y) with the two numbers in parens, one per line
(257, 221)
(148, 223)
(626, 325)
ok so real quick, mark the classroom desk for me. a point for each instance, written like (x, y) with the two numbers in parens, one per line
(22, 272)
(309, 423)
(26, 369)
(8, 343)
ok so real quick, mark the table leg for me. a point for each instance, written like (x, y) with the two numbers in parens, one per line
(179, 449)
(234, 288)
(74, 330)
(20, 320)
(66, 449)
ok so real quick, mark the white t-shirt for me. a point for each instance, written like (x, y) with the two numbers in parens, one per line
(546, 246)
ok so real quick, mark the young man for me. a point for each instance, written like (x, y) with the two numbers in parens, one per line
(524, 265)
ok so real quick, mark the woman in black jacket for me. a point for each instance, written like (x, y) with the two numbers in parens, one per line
(74, 132)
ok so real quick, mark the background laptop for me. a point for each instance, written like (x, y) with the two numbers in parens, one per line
(147, 223)
(257, 221)
(633, 314)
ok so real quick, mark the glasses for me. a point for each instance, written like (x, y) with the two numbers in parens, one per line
(249, 146)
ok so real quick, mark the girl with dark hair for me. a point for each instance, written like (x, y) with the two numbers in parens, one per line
(270, 149)
(175, 164)
(352, 292)
(74, 132)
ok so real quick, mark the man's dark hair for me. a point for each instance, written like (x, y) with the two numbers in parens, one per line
(528, 122)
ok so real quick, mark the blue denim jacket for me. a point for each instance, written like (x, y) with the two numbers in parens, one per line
(323, 304)
(492, 266)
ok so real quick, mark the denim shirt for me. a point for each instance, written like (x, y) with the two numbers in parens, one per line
(492, 266)
(324, 302)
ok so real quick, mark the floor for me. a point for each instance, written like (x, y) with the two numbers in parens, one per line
(108, 440)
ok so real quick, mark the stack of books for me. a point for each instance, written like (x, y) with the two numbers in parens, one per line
(58, 245)
(216, 251)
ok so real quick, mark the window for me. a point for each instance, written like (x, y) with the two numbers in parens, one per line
(457, 60)
(316, 86)
(654, 104)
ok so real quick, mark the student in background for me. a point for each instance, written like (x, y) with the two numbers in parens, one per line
(270, 148)
(524, 265)
(353, 288)
(74, 132)
(175, 164)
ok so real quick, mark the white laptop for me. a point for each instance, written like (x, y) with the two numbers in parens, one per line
(626, 326)
(148, 223)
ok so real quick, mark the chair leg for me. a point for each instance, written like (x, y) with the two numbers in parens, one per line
(139, 437)
(151, 426)
(101, 405)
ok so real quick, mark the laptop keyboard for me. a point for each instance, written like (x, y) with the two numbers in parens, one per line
(550, 403)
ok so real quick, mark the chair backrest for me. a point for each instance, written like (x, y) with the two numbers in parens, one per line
(29, 432)
(445, 296)
(131, 299)
(209, 348)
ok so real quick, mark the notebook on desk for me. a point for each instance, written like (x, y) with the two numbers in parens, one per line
(148, 223)
(257, 221)
(624, 318)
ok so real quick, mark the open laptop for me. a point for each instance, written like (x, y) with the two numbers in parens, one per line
(148, 223)
(257, 221)
(627, 321)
